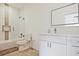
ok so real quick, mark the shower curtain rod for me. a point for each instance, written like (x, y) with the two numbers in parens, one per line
(6, 4)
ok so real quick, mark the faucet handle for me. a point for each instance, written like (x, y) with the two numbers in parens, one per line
(55, 30)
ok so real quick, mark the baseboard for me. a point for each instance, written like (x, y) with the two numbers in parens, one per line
(33, 49)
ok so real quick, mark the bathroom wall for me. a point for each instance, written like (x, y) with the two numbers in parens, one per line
(67, 30)
(35, 23)
(37, 20)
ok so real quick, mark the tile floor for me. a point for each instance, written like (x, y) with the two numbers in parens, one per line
(27, 52)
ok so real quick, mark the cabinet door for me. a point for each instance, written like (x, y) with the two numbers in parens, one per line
(58, 49)
(44, 49)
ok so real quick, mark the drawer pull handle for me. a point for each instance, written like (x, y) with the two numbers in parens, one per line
(77, 52)
(47, 44)
(76, 46)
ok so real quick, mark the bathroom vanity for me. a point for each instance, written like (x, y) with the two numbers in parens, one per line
(59, 45)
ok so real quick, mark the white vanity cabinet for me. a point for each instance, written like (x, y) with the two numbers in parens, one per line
(52, 46)
(59, 45)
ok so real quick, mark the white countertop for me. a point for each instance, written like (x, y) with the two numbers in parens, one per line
(49, 34)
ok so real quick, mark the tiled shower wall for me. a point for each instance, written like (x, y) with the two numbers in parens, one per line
(13, 21)
(1, 21)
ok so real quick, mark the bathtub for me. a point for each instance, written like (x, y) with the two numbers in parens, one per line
(6, 44)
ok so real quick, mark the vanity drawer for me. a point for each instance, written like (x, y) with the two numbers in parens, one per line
(58, 39)
(75, 41)
(55, 39)
(75, 51)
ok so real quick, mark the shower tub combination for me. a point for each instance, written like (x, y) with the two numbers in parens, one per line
(8, 46)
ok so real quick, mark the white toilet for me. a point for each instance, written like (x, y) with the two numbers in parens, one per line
(22, 44)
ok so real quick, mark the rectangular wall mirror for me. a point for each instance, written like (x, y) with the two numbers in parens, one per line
(65, 15)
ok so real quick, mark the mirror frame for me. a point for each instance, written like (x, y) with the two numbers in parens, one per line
(61, 8)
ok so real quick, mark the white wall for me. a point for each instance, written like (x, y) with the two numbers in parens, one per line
(67, 30)
(35, 24)
(37, 19)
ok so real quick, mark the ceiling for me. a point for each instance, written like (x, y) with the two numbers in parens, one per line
(17, 5)
(46, 5)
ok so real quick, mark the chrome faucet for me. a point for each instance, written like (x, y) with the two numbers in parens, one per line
(55, 30)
